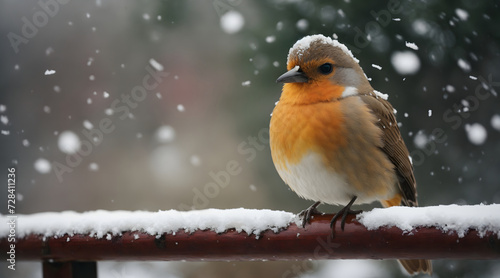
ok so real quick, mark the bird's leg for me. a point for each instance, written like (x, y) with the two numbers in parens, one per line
(308, 212)
(344, 212)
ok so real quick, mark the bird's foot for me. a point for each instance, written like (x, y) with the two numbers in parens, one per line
(343, 212)
(306, 214)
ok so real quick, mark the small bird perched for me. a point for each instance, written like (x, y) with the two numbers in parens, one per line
(334, 139)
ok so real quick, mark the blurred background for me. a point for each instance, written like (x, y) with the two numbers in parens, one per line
(82, 136)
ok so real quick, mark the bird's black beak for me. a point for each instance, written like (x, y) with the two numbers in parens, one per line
(293, 76)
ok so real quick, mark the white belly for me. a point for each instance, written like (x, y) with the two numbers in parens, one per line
(310, 179)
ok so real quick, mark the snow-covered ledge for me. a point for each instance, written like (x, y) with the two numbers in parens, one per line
(105, 224)
(447, 218)
(450, 231)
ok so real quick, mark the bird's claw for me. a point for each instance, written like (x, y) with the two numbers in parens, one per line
(307, 214)
(343, 212)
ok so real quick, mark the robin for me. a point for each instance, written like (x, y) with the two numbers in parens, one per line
(335, 140)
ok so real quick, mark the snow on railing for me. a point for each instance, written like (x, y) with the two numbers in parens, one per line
(70, 241)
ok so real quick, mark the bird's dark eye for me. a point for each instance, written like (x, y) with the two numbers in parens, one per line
(326, 68)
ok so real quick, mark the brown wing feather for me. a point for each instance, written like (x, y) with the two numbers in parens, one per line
(394, 146)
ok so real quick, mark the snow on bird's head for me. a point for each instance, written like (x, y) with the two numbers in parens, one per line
(307, 43)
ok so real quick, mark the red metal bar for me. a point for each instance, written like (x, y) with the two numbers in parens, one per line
(313, 242)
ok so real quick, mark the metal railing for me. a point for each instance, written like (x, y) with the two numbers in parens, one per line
(76, 255)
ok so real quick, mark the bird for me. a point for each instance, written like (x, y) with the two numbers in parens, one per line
(335, 140)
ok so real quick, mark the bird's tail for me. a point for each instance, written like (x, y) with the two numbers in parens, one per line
(416, 266)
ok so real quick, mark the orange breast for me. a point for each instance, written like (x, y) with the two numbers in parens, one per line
(345, 136)
(305, 119)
